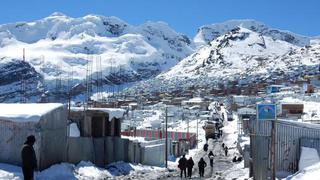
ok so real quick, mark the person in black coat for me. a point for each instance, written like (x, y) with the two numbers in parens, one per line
(210, 155)
(205, 147)
(226, 150)
(201, 164)
(190, 165)
(183, 165)
(29, 160)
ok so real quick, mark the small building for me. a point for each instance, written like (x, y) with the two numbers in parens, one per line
(308, 88)
(98, 122)
(292, 109)
(47, 122)
(100, 136)
(197, 101)
(245, 114)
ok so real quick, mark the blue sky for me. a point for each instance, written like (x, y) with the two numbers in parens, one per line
(299, 16)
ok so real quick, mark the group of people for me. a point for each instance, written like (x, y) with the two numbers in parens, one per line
(185, 164)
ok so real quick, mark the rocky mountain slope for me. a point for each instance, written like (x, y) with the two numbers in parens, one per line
(207, 33)
(242, 57)
(64, 48)
(64, 53)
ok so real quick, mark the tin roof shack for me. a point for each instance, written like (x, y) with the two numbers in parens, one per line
(98, 122)
(273, 88)
(47, 122)
(307, 88)
(292, 109)
(245, 114)
(197, 101)
(242, 101)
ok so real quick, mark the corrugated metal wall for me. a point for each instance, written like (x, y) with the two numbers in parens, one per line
(288, 136)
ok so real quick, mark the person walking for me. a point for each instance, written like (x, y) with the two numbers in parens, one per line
(226, 150)
(190, 165)
(28, 156)
(201, 164)
(205, 147)
(210, 155)
(183, 165)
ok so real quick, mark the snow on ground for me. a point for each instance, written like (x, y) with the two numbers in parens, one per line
(308, 157)
(308, 173)
(223, 167)
(85, 170)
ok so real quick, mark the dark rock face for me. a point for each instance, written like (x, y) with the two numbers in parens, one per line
(12, 74)
(15, 71)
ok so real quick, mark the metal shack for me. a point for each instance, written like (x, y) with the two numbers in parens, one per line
(47, 122)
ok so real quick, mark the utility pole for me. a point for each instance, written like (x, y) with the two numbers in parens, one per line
(197, 132)
(166, 135)
(188, 129)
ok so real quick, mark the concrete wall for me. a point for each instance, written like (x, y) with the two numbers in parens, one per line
(53, 138)
(153, 155)
(134, 152)
(12, 137)
(50, 133)
(100, 151)
(79, 149)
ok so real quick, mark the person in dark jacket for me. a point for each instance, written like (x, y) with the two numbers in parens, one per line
(205, 147)
(29, 160)
(183, 165)
(190, 165)
(210, 155)
(201, 164)
(226, 150)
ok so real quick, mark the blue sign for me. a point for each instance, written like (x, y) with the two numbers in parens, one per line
(266, 111)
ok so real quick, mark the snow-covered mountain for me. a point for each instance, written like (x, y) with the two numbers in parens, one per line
(61, 47)
(60, 52)
(207, 33)
(240, 56)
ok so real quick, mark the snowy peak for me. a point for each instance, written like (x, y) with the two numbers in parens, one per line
(208, 33)
(236, 51)
(241, 56)
(59, 46)
(61, 26)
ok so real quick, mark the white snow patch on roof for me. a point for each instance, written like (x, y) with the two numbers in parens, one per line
(26, 112)
(246, 110)
(113, 112)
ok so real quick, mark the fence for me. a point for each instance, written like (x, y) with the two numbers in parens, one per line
(289, 135)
